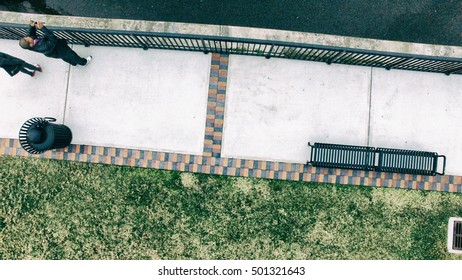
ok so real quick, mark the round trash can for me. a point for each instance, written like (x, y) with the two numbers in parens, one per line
(38, 135)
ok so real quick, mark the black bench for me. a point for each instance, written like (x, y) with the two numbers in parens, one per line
(376, 159)
(408, 161)
(342, 156)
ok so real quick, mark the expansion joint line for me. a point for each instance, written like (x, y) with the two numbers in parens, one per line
(370, 110)
(67, 92)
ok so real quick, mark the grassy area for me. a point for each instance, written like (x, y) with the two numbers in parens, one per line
(68, 210)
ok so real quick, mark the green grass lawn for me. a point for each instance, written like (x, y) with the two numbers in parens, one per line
(68, 210)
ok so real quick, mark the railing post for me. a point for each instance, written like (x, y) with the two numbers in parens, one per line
(205, 51)
(330, 59)
(145, 47)
(447, 73)
(397, 63)
(268, 56)
(85, 43)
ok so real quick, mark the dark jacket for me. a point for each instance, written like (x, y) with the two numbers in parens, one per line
(49, 44)
(10, 63)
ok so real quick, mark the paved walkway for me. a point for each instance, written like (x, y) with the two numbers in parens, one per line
(234, 115)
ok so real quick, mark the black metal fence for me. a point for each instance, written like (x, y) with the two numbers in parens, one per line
(268, 49)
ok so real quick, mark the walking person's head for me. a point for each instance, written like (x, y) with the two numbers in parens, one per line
(26, 43)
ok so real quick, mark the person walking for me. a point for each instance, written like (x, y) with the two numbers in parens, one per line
(13, 65)
(50, 45)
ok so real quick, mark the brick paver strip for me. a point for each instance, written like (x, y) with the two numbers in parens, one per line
(216, 105)
(238, 167)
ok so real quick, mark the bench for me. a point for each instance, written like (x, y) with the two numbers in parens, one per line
(342, 156)
(408, 161)
(375, 159)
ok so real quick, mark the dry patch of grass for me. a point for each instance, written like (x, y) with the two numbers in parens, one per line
(68, 210)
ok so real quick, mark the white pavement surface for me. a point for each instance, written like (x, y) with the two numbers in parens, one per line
(274, 107)
(132, 98)
(419, 111)
(155, 100)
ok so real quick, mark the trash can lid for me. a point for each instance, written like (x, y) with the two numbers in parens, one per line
(36, 135)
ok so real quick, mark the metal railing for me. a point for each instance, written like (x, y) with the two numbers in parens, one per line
(230, 45)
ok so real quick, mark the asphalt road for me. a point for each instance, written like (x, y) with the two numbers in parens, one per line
(422, 21)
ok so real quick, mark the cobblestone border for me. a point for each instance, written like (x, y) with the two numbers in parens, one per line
(238, 167)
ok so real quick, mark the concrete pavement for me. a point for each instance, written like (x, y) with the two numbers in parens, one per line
(140, 99)
(124, 98)
(275, 106)
(157, 100)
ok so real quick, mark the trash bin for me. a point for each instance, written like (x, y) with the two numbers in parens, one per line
(38, 135)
